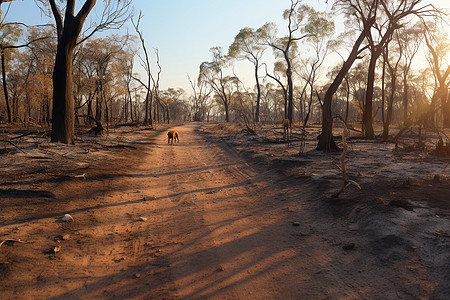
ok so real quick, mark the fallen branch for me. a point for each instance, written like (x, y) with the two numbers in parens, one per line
(7, 141)
(11, 240)
(23, 135)
(344, 172)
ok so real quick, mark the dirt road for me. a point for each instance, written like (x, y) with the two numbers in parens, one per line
(197, 221)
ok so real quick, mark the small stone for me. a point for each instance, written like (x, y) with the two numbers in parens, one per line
(142, 219)
(219, 269)
(56, 249)
(137, 275)
(67, 218)
(296, 224)
(66, 237)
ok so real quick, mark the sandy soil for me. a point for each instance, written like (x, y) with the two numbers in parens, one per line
(220, 215)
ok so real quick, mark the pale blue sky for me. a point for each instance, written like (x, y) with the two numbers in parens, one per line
(185, 30)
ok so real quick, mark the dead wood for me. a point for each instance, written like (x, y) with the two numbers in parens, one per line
(11, 240)
(23, 135)
(248, 129)
(8, 141)
(344, 172)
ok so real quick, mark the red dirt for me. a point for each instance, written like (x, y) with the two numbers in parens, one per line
(212, 218)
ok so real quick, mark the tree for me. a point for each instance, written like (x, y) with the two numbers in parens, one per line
(145, 62)
(409, 40)
(319, 31)
(248, 45)
(9, 34)
(391, 15)
(213, 73)
(286, 45)
(438, 47)
(392, 63)
(200, 106)
(326, 140)
(68, 30)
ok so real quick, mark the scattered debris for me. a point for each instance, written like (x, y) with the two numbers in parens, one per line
(442, 150)
(441, 234)
(149, 198)
(64, 237)
(53, 250)
(17, 147)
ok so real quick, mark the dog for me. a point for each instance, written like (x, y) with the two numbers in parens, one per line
(172, 136)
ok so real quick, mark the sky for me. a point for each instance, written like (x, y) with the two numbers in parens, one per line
(185, 30)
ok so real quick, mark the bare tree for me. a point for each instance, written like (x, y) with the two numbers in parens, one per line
(438, 47)
(248, 45)
(409, 40)
(392, 63)
(200, 98)
(145, 63)
(213, 73)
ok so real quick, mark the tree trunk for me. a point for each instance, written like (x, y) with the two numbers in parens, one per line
(290, 104)
(227, 117)
(405, 99)
(445, 107)
(5, 88)
(389, 109)
(63, 129)
(326, 141)
(147, 109)
(258, 93)
(383, 91)
(368, 110)
(367, 114)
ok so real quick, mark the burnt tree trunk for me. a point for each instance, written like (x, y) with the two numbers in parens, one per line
(258, 93)
(445, 107)
(326, 141)
(290, 102)
(368, 111)
(5, 88)
(63, 114)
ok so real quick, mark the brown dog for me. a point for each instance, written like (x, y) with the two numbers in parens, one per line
(172, 136)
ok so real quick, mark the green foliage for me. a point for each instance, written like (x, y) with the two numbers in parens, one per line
(248, 44)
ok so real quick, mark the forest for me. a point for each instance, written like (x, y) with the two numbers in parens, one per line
(373, 80)
(321, 172)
